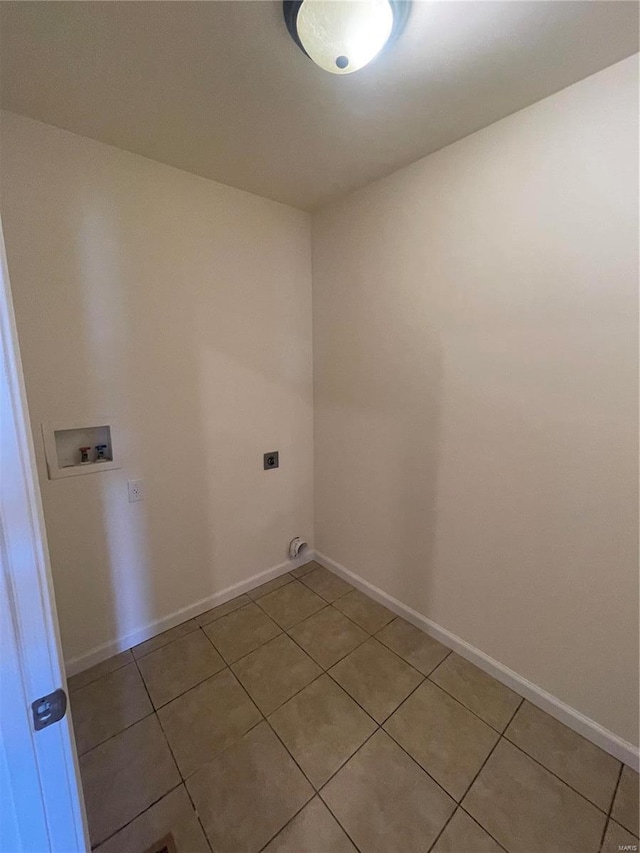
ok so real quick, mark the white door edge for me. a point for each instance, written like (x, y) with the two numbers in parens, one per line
(44, 803)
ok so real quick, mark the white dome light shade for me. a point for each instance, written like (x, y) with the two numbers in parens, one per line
(342, 36)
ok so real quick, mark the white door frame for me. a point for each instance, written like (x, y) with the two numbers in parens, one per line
(41, 804)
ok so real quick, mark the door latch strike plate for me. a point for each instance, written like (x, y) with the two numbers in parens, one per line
(49, 709)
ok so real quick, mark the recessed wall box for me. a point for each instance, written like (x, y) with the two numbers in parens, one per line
(81, 447)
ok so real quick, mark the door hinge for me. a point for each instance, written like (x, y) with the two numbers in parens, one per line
(49, 709)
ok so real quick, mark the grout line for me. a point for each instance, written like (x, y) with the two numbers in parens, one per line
(191, 687)
(512, 717)
(111, 737)
(345, 655)
(327, 673)
(324, 671)
(375, 722)
(391, 713)
(470, 785)
(266, 719)
(164, 734)
(257, 648)
(483, 828)
(367, 632)
(500, 737)
(438, 665)
(395, 654)
(218, 618)
(182, 778)
(225, 748)
(261, 644)
(417, 763)
(471, 711)
(555, 775)
(197, 814)
(170, 752)
(613, 799)
(362, 627)
(293, 758)
(269, 591)
(304, 618)
(284, 826)
(342, 595)
(217, 650)
(477, 822)
(72, 690)
(337, 820)
(345, 762)
(391, 649)
(293, 695)
(447, 822)
(235, 677)
(154, 710)
(129, 822)
(168, 643)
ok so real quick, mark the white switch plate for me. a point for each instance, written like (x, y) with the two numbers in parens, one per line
(136, 490)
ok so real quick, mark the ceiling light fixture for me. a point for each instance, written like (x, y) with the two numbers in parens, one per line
(342, 36)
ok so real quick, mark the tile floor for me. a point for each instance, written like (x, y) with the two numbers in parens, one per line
(304, 717)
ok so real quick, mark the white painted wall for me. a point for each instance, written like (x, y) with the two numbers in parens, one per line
(476, 402)
(182, 308)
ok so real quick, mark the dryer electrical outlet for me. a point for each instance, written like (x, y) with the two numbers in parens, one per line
(271, 460)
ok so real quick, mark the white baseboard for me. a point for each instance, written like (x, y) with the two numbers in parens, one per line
(588, 728)
(121, 644)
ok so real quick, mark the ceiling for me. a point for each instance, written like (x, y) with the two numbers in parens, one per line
(220, 89)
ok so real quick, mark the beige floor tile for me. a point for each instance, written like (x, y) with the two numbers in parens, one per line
(321, 727)
(107, 706)
(248, 792)
(364, 611)
(313, 829)
(616, 838)
(586, 768)
(81, 679)
(326, 584)
(526, 808)
(164, 639)
(222, 610)
(205, 720)
(273, 673)
(303, 570)
(413, 645)
(376, 678)
(175, 668)
(463, 835)
(385, 801)
(625, 805)
(445, 738)
(328, 636)
(241, 632)
(270, 586)
(172, 814)
(291, 604)
(481, 693)
(125, 775)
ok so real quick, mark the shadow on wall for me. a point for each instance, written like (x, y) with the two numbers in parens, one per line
(181, 309)
(379, 424)
(110, 556)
